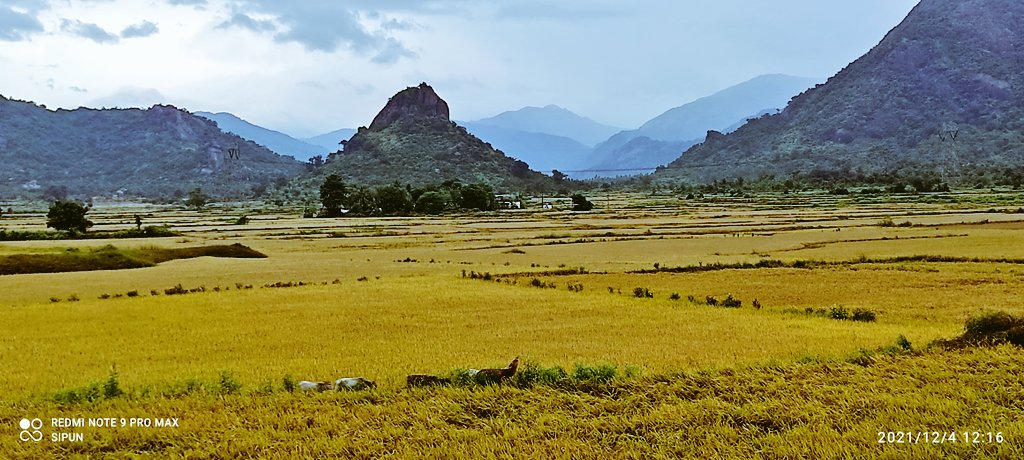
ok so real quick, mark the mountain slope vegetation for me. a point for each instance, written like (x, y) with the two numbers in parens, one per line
(941, 94)
(160, 152)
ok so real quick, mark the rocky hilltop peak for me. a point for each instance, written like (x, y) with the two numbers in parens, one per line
(415, 101)
(412, 141)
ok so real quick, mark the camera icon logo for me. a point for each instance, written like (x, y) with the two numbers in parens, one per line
(31, 430)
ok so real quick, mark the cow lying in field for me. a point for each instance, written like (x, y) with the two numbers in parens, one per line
(315, 386)
(486, 376)
(354, 383)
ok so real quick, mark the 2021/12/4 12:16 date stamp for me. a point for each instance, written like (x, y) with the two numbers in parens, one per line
(941, 437)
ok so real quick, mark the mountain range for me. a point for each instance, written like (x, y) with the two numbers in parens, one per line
(942, 94)
(553, 120)
(551, 137)
(547, 138)
(161, 152)
(663, 138)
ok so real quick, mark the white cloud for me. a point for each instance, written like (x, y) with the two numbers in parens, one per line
(142, 29)
(316, 65)
(322, 26)
(17, 25)
(245, 21)
(87, 30)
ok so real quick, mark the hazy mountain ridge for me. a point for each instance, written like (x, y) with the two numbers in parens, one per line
(330, 141)
(160, 152)
(552, 120)
(664, 137)
(276, 141)
(413, 141)
(941, 93)
(543, 152)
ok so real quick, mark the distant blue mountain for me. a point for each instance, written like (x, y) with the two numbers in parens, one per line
(552, 120)
(663, 138)
(331, 140)
(546, 138)
(278, 142)
(543, 152)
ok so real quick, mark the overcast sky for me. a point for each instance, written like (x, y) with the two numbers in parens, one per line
(307, 67)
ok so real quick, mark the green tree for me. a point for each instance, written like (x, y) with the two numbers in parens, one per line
(363, 202)
(394, 200)
(454, 190)
(333, 195)
(479, 196)
(197, 199)
(581, 203)
(68, 216)
(519, 169)
(432, 202)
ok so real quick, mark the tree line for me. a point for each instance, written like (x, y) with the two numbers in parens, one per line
(339, 198)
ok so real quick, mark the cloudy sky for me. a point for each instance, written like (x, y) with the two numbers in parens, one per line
(307, 67)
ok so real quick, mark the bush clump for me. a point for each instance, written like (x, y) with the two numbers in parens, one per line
(288, 384)
(642, 293)
(600, 373)
(863, 315)
(227, 384)
(730, 302)
(990, 328)
(531, 374)
(112, 387)
(839, 312)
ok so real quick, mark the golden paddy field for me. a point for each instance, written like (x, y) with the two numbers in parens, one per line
(387, 297)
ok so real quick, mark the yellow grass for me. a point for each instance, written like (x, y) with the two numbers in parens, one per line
(389, 328)
(415, 312)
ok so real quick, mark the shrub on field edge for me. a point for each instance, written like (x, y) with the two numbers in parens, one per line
(227, 384)
(837, 312)
(860, 314)
(989, 328)
(730, 302)
(642, 293)
(601, 373)
(110, 388)
(288, 383)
